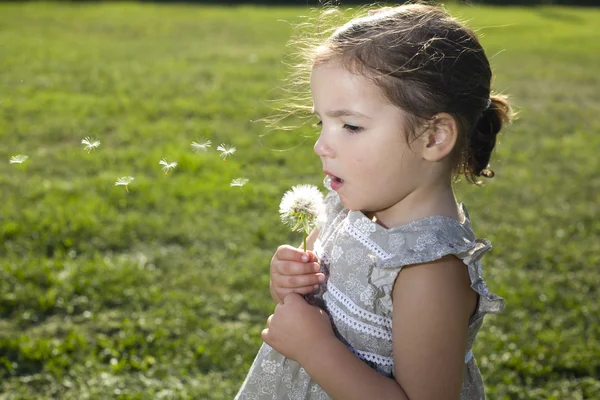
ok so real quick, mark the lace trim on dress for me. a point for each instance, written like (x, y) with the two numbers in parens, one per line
(360, 326)
(368, 243)
(349, 304)
(389, 361)
(372, 357)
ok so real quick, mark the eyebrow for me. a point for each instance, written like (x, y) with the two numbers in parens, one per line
(343, 113)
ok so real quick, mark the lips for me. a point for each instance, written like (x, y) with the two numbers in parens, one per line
(336, 181)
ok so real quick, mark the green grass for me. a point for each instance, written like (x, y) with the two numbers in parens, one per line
(162, 292)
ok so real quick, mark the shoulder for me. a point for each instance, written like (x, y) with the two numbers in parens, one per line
(432, 281)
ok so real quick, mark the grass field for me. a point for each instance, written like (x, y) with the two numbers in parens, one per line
(161, 292)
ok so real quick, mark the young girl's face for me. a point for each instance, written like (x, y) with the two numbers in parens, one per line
(363, 144)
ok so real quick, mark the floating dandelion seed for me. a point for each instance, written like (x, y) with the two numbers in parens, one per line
(226, 151)
(124, 181)
(167, 166)
(238, 182)
(90, 144)
(19, 159)
(300, 208)
(201, 145)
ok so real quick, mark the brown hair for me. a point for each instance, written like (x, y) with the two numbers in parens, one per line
(425, 62)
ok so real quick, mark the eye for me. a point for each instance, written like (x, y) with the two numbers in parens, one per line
(352, 128)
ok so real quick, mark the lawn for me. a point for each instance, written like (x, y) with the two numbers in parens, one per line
(161, 291)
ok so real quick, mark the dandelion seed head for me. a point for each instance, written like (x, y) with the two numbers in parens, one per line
(238, 182)
(124, 180)
(18, 159)
(226, 150)
(301, 206)
(90, 144)
(167, 166)
(201, 145)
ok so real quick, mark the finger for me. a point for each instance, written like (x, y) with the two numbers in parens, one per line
(287, 252)
(296, 268)
(292, 297)
(264, 334)
(300, 290)
(305, 290)
(270, 318)
(295, 281)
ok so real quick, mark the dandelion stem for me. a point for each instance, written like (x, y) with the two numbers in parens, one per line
(305, 241)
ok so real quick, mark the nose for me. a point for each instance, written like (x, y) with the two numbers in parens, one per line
(322, 148)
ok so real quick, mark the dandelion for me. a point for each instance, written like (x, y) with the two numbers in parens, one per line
(90, 144)
(300, 208)
(124, 181)
(167, 166)
(226, 151)
(238, 182)
(19, 159)
(201, 145)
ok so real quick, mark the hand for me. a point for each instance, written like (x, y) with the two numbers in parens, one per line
(296, 328)
(294, 271)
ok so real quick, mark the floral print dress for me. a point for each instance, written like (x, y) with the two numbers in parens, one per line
(361, 260)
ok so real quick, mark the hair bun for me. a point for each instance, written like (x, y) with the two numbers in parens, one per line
(488, 173)
(483, 137)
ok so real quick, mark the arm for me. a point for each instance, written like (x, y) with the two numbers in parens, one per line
(303, 333)
(345, 377)
(432, 306)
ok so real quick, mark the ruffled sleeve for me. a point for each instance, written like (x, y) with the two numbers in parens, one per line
(425, 241)
(489, 303)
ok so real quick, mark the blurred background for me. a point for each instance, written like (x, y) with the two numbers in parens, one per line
(160, 289)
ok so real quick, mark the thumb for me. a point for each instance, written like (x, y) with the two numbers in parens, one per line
(290, 298)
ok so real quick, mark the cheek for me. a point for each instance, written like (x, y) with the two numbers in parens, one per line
(365, 165)
(359, 160)
(390, 165)
(366, 157)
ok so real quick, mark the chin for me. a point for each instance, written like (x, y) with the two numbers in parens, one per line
(350, 206)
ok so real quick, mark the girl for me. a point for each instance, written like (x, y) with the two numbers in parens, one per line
(403, 99)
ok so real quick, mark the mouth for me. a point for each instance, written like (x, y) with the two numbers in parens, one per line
(336, 181)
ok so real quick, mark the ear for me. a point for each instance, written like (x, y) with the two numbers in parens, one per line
(440, 137)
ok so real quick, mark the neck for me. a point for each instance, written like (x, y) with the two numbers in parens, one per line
(422, 202)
